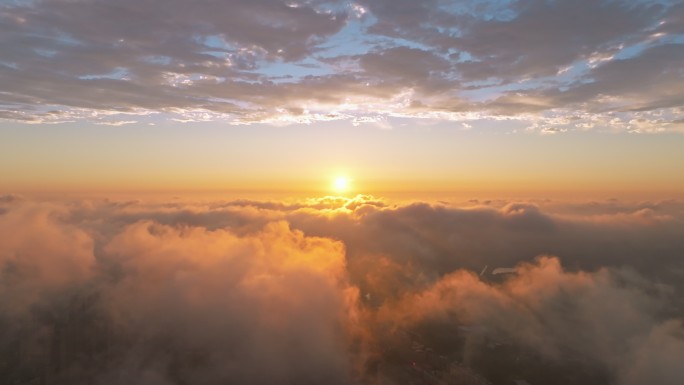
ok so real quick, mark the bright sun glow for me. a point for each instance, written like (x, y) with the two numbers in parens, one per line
(341, 184)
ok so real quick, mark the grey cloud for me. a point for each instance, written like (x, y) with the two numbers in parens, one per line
(650, 81)
(64, 61)
(672, 23)
(409, 67)
(520, 39)
(177, 28)
(61, 52)
(546, 36)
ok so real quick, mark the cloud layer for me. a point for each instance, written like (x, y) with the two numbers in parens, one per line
(556, 65)
(338, 290)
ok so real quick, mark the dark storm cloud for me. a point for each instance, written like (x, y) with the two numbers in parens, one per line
(270, 60)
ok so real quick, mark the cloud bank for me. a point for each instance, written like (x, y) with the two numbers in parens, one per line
(339, 290)
(555, 65)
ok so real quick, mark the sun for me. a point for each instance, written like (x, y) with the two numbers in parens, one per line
(341, 184)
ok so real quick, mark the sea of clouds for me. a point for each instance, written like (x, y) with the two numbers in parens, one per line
(326, 290)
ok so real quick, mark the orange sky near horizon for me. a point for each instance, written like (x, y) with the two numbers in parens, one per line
(303, 160)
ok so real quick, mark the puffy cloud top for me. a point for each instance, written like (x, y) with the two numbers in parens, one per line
(340, 291)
